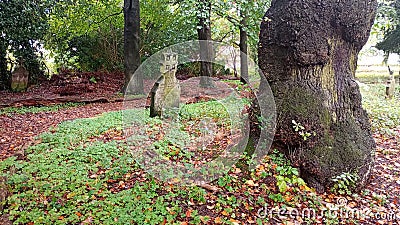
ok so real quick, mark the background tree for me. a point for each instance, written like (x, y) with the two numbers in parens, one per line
(388, 22)
(204, 36)
(132, 47)
(97, 42)
(86, 35)
(163, 24)
(245, 17)
(308, 53)
(23, 26)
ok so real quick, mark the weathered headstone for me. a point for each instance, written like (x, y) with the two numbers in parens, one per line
(165, 94)
(19, 79)
(390, 84)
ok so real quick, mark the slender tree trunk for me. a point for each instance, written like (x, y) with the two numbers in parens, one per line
(244, 68)
(4, 74)
(308, 53)
(204, 35)
(132, 47)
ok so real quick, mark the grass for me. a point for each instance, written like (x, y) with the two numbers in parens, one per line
(375, 74)
(374, 77)
(38, 109)
(384, 113)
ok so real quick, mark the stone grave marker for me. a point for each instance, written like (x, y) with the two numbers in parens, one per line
(165, 95)
(19, 79)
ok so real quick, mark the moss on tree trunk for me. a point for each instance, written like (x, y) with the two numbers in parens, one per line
(308, 53)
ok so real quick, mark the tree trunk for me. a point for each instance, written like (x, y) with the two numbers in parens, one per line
(132, 47)
(4, 73)
(244, 68)
(204, 35)
(308, 52)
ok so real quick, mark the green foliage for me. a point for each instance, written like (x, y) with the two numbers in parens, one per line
(96, 42)
(75, 175)
(287, 176)
(68, 177)
(71, 175)
(93, 80)
(344, 183)
(209, 109)
(33, 109)
(86, 35)
(163, 24)
(388, 23)
(173, 145)
(234, 12)
(301, 130)
(23, 25)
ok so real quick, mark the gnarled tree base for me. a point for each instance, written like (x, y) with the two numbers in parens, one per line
(308, 53)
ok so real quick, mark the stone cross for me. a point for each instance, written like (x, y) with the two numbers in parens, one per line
(165, 95)
(19, 79)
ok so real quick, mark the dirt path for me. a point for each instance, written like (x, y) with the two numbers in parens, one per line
(17, 131)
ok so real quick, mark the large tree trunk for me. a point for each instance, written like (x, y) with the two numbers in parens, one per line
(308, 52)
(132, 47)
(244, 67)
(204, 35)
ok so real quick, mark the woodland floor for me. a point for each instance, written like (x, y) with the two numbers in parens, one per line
(18, 131)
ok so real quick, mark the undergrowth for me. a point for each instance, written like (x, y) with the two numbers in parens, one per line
(38, 109)
(82, 172)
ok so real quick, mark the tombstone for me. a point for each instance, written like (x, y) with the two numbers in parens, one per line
(19, 79)
(165, 95)
(390, 85)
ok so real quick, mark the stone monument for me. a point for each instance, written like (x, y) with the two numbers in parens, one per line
(19, 79)
(165, 95)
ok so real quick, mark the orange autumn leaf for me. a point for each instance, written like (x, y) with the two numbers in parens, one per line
(189, 213)
(288, 198)
(218, 220)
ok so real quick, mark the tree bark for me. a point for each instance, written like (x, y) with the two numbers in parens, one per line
(132, 47)
(204, 35)
(4, 73)
(244, 68)
(308, 52)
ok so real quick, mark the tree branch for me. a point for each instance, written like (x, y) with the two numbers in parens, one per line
(104, 19)
(229, 18)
